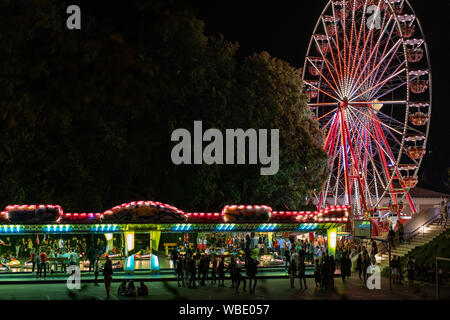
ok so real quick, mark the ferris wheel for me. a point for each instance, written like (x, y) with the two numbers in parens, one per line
(367, 73)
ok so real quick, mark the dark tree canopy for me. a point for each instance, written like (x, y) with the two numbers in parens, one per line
(86, 116)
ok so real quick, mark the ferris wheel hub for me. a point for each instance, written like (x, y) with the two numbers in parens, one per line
(344, 103)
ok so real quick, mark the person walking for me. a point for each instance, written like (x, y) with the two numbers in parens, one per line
(107, 275)
(239, 278)
(252, 271)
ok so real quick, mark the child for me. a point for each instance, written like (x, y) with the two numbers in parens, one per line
(142, 290)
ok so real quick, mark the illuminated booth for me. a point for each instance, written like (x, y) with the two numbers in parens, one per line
(122, 226)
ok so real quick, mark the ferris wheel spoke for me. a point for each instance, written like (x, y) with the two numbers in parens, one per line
(378, 102)
(377, 95)
(313, 86)
(320, 118)
(378, 84)
(356, 54)
(373, 137)
(391, 53)
(330, 71)
(332, 53)
(353, 76)
(364, 98)
(372, 51)
(337, 43)
(335, 90)
(327, 104)
(393, 120)
(374, 119)
(403, 82)
(388, 41)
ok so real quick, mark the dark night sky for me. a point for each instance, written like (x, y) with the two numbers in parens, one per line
(283, 28)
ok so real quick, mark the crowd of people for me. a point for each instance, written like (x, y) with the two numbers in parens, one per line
(49, 255)
(195, 268)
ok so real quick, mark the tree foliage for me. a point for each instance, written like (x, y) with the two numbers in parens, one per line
(86, 116)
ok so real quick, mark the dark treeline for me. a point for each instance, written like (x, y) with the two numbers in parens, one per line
(86, 116)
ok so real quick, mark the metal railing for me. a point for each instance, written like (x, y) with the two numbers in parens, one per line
(408, 236)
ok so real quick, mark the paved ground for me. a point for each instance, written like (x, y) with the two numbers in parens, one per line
(267, 289)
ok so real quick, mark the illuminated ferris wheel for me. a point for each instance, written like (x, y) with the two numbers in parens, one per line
(367, 73)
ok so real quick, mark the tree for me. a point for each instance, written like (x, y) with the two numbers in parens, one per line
(86, 116)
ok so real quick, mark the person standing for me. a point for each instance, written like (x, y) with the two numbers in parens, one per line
(281, 245)
(107, 275)
(96, 269)
(92, 254)
(252, 271)
(287, 258)
(221, 272)
(325, 272)
(214, 264)
(293, 271)
(343, 265)
(301, 272)
(365, 267)
(442, 210)
(18, 247)
(359, 267)
(53, 263)
(401, 232)
(317, 273)
(193, 272)
(446, 211)
(391, 236)
(411, 267)
(174, 258)
(332, 263)
(43, 263)
(180, 272)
